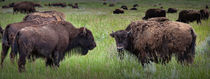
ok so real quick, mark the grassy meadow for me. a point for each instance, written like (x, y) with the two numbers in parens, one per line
(103, 62)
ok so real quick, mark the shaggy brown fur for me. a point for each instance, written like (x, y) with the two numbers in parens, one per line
(45, 16)
(150, 13)
(187, 16)
(51, 41)
(159, 19)
(157, 41)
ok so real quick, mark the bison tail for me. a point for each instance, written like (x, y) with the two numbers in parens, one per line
(5, 36)
(15, 44)
(193, 44)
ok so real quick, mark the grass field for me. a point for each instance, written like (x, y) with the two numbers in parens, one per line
(102, 62)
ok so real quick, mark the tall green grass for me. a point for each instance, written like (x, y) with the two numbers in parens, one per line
(103, 62)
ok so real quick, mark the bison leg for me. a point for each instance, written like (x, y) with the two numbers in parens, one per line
(22, 62)
(4, 53)
(49, 62)
(57, 58)
(12, 56)
(199, 21)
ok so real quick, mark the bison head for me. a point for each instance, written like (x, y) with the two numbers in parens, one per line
(86, 40)
(122, 39)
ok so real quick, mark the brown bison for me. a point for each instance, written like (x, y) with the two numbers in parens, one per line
(51, 41)
(134, 8)
(5, 6)
(75, 6)
(207, 7)
(29, 20)
(118, 11)
(172, 10)
(104, 3)
(124, 7)
(135, 5)
(187, 16)
(150, 13)
(24, 7)
(157, 41)
(70, 5)
(58, 4)
(204, 14)
(111, 5)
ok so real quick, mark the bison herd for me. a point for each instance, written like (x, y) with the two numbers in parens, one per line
(47, 35)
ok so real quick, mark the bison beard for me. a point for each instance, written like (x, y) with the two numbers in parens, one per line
(51, 41)
(157, 41)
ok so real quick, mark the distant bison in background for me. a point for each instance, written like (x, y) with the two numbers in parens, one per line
(29, 20)
(135, 5)
(58, 4)
(204, 14)
(172, 10)
(124, 7)
(24, 7)
(5, 6)
(150, 13)
(70, 5)
(157, 41)
(118, 11)
(111, 5)
(187, 16)
(76, 6)
(51, 41)
(134, 8)
(104, 3)
(207, 7)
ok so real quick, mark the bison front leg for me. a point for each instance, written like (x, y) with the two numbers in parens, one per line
(49, 62)
(22, 62)
(57, 58)
(4, 53)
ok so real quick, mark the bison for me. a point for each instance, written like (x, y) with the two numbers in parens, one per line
(104, 3)
(151, 13)
(124, 7)
(134, 8)
(118, 11)
(24, 7)
(29, 20)
(51, 41)
(5, 6)
(207, 7)
(1, 31)
(204, 14)
(157, 41)
(111, 5)
(135, 5)
(187, 16)
(75, 6)
(172, 10)
(58, 4)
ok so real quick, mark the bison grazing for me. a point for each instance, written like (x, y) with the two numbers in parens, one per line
(172, 10)
(118, 11)
(104, 3)
(111, 5)
(150, 13)
(204, 14)
(157, 41)
(134, 8)
(5, 6)
(207, 7)
(29, 20)
(51, 41)
(58, 4)
(70, 5)
(187, 16)
(124, 7)
(24, 7)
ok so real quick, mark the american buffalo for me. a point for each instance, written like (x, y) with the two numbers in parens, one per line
(111, 5)
(58, 4)
(104, 3)
(70, 5)
(5, 6)
(24, 7)
(172, 10)
(187, 16)
(150, 13)
(75, 6)
(29, 20)
(207, 7)
(51, 41)
(124, 7)
(204, 14)
(118, 11)
(135, 5)
(157, 41)
(134, 8)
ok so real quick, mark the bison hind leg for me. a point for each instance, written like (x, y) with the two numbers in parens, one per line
(49, 62)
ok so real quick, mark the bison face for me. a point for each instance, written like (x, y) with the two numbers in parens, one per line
(121, 38)
(86, 40)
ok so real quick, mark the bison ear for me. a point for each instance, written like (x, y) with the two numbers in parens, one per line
(83, 31)
(112, 34)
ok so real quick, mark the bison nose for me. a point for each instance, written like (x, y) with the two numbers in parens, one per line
(120, 49)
